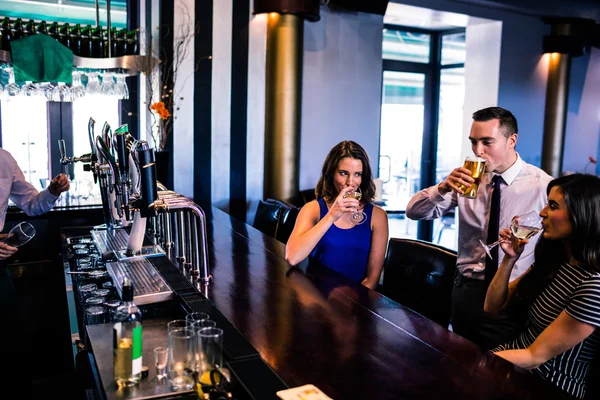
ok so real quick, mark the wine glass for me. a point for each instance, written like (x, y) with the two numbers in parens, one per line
(357, 217)
(522, 227)
(20, 234)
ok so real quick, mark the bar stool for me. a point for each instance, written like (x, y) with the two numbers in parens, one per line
(419, 275)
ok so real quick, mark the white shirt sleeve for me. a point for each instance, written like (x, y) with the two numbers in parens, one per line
(429, 203)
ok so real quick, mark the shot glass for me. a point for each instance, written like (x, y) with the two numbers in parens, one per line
(161, 358)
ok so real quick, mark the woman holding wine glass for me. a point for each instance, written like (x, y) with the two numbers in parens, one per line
(560, 293)
(342, 229)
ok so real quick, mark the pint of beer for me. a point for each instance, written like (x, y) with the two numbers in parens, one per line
(477, 167)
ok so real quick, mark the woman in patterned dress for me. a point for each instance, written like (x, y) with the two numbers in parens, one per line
(561, 292)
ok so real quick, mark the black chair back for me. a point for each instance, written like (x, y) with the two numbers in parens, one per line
(288, 221)
(267, 217)
(419, 275)
(276, 218)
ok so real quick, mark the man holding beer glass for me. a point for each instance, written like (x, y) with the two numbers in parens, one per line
(522, 186)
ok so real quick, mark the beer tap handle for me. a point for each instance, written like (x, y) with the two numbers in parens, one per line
(122, 154)
(91, 135)
(105, 153)
(107, 137)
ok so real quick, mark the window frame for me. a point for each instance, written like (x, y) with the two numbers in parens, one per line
(432, 72)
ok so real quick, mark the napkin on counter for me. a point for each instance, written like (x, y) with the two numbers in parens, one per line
(305, 392)
(40, 58)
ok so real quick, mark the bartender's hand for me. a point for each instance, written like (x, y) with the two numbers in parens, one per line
(6, 250)
(59, 184)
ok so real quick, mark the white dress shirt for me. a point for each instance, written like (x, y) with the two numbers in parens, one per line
(523, 189)
(14, 186)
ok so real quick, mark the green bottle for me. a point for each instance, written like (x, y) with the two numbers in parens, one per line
(53, 30)
(29, 29)
(63, 35)
(42, 28)
(17, 29)
(6, 33)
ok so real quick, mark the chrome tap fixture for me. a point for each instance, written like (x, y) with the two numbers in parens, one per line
(126, 173)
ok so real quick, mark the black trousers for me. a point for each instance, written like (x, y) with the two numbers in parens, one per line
(14, 347)
(469, 320)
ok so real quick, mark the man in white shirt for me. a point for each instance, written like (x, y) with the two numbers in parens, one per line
(14, 186)
(493, 136)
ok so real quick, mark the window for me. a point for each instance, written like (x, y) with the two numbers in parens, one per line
(421, 122)
(25, 136)
(405, 46)
(102, 109)
(454, 50)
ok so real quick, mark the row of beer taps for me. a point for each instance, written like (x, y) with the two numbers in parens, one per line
(125, 170)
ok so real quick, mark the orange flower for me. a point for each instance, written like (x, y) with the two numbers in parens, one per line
(159, 108)
(593, 160)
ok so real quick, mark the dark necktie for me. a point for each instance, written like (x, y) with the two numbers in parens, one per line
(491, 265)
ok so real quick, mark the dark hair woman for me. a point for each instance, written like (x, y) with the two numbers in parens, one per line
(325, 230)
(562, 288)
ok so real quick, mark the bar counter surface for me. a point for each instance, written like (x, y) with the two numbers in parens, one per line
(317, 327)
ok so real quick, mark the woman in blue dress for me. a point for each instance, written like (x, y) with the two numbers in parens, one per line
(324, 231)
(561, 292)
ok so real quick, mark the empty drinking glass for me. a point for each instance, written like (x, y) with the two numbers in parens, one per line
(93, 84)
(11, 88)
(20, 234)
(181, 359)
(77, 88)
(108, 85)
(196, 316)
(121, 90)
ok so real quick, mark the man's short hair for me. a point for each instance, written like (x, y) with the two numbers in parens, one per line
(508, 122)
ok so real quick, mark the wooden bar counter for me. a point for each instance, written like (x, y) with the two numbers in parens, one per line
(353, 343)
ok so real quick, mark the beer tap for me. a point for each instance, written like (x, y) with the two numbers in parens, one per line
(64, 160)
(123, 157)
(94, 156)
(147, 193)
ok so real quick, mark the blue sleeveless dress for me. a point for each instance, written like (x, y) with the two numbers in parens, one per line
(344, 250)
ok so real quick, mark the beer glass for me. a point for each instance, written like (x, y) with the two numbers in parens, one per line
(19, 234)
(477, 167)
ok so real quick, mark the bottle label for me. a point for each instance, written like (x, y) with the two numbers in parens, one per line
(137, 349)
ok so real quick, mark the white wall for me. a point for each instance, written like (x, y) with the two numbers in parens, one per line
(341, 88)
(341, 93)
(482, 72)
